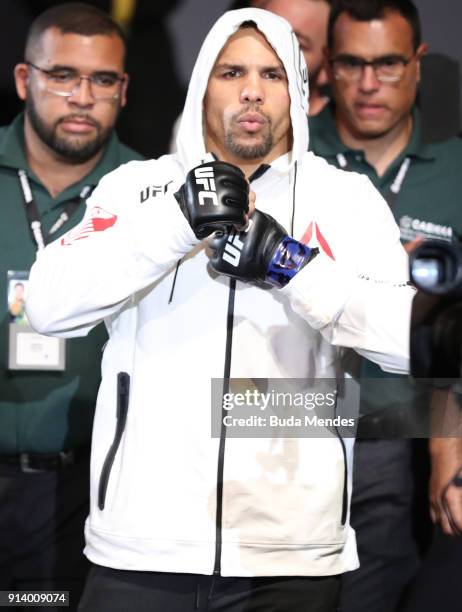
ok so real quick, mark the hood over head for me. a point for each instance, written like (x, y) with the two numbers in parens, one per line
(279, 34)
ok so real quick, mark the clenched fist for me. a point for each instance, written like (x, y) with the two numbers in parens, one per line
(215, 196)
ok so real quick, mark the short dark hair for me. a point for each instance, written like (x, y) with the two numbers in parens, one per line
(367, 10)
(72, 18)
(248, 24)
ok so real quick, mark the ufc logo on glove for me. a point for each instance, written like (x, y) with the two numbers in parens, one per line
(204, 176)
(234, 246)
(214, 196)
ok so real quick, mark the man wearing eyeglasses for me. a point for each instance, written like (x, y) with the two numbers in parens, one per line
(73, 84)
(372, 126)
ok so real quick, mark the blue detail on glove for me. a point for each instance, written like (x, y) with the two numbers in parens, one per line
(289, 258)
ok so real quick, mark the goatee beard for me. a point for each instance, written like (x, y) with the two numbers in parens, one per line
(254, 151)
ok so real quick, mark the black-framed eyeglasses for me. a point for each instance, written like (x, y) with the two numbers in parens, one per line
(63, 81)
(387, 69)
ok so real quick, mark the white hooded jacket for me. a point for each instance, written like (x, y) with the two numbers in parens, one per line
(156, 501)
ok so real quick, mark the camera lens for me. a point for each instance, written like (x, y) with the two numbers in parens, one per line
(427, 273)
(436, 268)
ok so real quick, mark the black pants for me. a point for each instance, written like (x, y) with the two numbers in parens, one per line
(42, 517)
(381, 514)
(109, 590)
(438, 585)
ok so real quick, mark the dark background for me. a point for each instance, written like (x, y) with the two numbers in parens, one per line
(164, 40)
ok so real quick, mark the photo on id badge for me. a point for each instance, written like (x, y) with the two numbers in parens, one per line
(28, 350)
(17, 295)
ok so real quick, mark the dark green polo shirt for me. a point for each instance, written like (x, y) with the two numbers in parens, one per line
(429, 203)
(44, 411)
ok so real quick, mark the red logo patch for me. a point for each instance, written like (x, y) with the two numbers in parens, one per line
(98, 221)
(322, 242)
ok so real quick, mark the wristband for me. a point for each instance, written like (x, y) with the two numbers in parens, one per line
(287, 261)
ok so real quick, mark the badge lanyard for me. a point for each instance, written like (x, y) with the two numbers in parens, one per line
(32, 214)
(397, 184)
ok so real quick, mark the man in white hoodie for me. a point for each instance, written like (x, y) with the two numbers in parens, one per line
(181, 520)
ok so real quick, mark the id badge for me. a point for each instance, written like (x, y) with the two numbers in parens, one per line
(28, 350)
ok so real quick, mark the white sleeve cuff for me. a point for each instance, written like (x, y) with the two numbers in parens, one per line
(319, 292)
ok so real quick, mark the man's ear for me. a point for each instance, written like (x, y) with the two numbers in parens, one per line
(326, 63)
(21, 78)
(323, 77)
(421, 51)
(123, 90)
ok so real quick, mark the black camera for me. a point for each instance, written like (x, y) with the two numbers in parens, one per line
(436, 323)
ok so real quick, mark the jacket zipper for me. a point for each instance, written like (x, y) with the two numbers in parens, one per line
(227, 372)
(123, 389)
(221, 448)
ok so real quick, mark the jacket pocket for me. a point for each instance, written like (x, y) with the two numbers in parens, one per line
(345, 482)
(123, 390)
(344, 514)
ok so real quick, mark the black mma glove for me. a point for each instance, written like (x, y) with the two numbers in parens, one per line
(215, 196)
(263, 254)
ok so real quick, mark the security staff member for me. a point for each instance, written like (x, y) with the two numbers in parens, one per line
(373, 127)
(51, 157)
